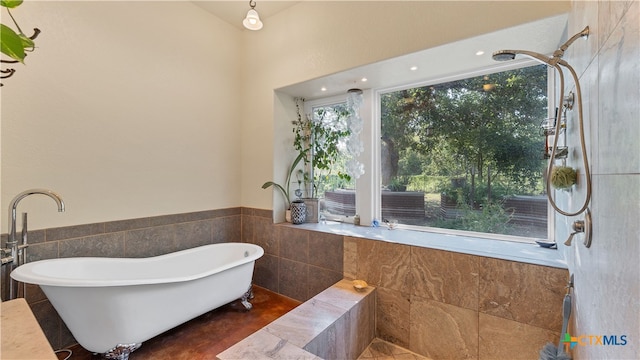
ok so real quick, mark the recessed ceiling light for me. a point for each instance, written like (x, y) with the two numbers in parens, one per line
(413, 68)
(480, 52)
(323, 89)
(364, 79)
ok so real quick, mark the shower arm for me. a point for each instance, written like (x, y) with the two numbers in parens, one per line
(560, 52)
(582, 138)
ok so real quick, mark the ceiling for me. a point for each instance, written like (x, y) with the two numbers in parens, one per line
(234, 11)
(451, 60)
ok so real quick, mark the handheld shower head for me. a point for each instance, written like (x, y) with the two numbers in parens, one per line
(503, 55)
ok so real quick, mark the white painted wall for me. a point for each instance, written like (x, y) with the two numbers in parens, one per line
(127, 109)
(134, 109)
(314, 39)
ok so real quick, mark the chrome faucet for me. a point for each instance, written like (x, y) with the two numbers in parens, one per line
(17, 252)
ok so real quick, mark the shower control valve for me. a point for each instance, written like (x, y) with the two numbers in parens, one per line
(582, 226)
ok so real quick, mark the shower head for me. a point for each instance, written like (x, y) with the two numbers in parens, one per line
(504, 55)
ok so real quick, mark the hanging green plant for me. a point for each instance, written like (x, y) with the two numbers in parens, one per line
(14, 44)
(563, 177)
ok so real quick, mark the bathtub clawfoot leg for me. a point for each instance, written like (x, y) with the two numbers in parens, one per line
(245, 298)
(122, 351)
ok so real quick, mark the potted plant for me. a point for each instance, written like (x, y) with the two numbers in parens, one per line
(317, 136)
(285, 190)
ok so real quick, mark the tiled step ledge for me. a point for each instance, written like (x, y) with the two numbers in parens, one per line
(338, 323)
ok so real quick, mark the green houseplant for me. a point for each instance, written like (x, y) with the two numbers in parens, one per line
(285, 190)
(14, 44)
(318, 139)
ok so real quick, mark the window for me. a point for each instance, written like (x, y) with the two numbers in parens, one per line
(467, 154)
(332, 183)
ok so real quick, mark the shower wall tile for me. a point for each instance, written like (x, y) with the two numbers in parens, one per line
(530, 294)
(442, 331)
(393, 316)
(104, 245)
(294, 243)
(445, 276)
(350, 257)
(69, 232)
(506, 339)
(326, 251)
(606, 291)
(384, 264)
(608, 16)
(619, 93)
(150, 241)
(583, 50)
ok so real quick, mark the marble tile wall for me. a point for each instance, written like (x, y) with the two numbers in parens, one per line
(607, 275)
(127, 238)
(446, 305)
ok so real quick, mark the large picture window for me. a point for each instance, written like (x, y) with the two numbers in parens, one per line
(467, 154)
(332, 184)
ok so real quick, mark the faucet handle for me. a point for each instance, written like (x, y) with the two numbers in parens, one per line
(24, 228)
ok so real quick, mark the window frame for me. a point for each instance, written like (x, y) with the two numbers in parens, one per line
(368, 190)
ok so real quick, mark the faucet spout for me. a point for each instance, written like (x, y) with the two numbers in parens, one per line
(17, 253)
(13, 205)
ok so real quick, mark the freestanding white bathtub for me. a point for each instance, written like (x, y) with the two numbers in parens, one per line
(112, 305)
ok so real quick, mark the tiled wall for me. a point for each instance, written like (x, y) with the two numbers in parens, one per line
(447, 305)
(607, 275)
(436, 303)
(297, 263)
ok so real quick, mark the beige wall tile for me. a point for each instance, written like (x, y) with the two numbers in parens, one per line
(526, 293)
(442, 331)
(384, 264)
(350, 256)
(507, 339)
(445, 276)
(392, 316)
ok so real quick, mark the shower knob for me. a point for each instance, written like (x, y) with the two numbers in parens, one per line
(582, 226)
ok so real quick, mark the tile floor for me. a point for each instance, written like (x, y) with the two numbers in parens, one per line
(209, 334)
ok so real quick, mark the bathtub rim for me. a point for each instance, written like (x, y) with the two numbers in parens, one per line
(25, 273)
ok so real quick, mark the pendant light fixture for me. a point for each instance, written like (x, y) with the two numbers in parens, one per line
(252, 21)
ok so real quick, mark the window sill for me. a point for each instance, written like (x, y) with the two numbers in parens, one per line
(499, 249)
